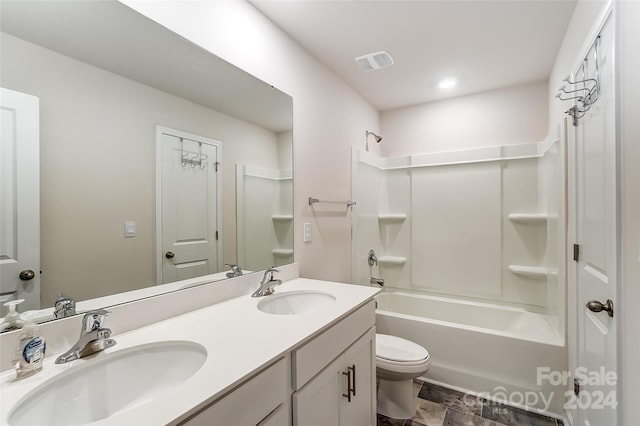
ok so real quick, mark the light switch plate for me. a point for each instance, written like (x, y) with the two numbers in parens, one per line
(129, 229)
(307, 232)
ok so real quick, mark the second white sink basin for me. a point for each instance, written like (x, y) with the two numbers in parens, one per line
(295, 302)
(110, 384)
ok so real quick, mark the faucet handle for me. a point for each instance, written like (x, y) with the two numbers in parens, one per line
(236, 271)
(268, 275)
(65, 306)
(93, 320)
(372, 258)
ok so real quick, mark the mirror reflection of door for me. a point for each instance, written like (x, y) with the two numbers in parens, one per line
(188, 206)
(20, 195)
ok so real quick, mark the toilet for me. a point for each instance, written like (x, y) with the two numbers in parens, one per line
(398, 362)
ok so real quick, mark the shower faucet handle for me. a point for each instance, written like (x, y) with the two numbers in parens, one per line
(372, 259)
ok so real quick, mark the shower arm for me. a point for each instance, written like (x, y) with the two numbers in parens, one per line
(378, 138)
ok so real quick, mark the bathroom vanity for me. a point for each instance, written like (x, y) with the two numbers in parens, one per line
(304, 355)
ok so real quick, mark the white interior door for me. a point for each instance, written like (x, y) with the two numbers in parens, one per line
(597, 236)
(19, 198)
(188, 205)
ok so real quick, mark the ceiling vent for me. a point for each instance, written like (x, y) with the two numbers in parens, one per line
(374, 61)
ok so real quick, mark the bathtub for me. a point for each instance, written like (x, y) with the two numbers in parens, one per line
(481, 348)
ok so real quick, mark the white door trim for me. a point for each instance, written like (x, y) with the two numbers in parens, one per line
(160, 130)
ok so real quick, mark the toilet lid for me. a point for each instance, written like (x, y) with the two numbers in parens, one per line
(397, 349)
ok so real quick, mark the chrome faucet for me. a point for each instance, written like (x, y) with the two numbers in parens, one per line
(372, 259)
(64, 307)
(378, 281)
(235, 270)
(93, 337)
(267, 284)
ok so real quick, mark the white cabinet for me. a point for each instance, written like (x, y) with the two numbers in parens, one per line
(334, 374)
(319, 402)
(342, 393)
(261, 400)
(361, 410)
(328, 380)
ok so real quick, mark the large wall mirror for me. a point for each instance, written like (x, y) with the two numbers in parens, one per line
(158, 161)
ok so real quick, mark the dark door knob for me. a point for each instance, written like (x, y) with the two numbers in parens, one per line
(169, 255)
(27, 275)
(596, 306)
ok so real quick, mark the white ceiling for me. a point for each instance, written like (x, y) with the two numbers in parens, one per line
(485, 45)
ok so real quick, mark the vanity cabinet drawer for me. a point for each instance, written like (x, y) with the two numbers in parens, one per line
(311, 358)
(254, 402)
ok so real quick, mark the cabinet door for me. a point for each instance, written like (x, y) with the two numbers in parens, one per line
(318, 402)
(360, 360)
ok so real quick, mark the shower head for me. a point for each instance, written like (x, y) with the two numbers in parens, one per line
(377, 138)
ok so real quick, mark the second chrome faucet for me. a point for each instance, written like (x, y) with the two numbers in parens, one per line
(267, 284)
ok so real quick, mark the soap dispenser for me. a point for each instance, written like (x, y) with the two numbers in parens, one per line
(29, 354)
(13, 320)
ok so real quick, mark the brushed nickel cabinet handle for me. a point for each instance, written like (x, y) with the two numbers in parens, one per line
(353, 370)
(348, 394)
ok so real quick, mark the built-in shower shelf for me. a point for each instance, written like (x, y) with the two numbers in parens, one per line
(282, 252)
(529, 218)
(282, 217)
(391, 260)
(529, 271)
(392, 217)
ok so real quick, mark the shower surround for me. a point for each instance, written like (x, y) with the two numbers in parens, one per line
(470, 246)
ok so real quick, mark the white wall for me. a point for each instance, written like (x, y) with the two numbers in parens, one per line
(499, 117)
(328, 116)
(97, 168)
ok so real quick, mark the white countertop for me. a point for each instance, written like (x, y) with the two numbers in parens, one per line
(239, 340)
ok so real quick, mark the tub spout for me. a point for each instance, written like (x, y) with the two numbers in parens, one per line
(378, 281)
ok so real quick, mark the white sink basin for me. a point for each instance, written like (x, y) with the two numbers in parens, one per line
(295, 302)
(110, 384)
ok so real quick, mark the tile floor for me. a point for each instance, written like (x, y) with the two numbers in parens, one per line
(440, 406)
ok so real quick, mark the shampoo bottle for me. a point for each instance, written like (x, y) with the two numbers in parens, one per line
(29, 354)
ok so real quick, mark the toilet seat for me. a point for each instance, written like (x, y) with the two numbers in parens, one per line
(397, 355)
(398, 351)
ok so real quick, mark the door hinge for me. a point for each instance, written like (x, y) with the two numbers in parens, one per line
(217, 163)
(216, 235)
(576, 252)
(576, 386)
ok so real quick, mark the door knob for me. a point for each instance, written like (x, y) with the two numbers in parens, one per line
(27, 275)
(169, 255)
(596, 306)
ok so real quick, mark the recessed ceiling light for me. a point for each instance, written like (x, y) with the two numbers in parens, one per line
(447, 83)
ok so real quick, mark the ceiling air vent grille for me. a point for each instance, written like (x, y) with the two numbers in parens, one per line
(374, 61)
